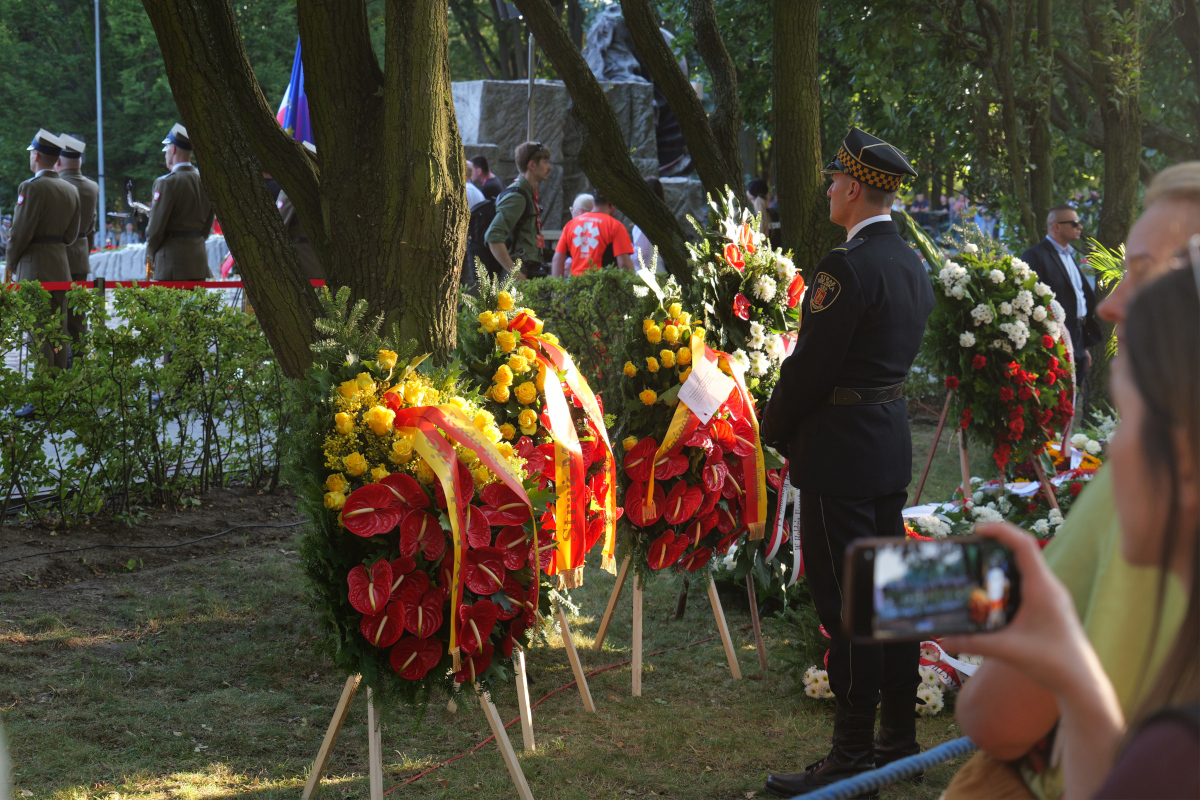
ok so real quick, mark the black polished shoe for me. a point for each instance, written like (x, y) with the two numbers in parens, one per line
(853, 753)
(890, 748)
(897, 737)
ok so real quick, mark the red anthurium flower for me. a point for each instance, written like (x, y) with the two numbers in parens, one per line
(746, 238)
(531, 604)
(504, 506)
(698, 438)
(743, 438)
(795, 290)
(371, 510)
(402, 580)
(734, 257)
(731, 490)
(741, 306)
(696, 559)
(637, 460)
(421, 531)
(384, 628)
(524, 447)
(695, 532)
(662, 549)
(682, 502)
(545, 553)
(479, 530)
(595, 529)
(423, 612)
(406, 489)
(722, 431)
(514, 595)
(413, 657)
(515, 631)
(485, 570)
(715, 473)
(725, 519)
(513, 542)
(775, 478)
(542, 460)
(711, 496)
(477, 623)
(475, 665)
(723, 543)
(370, 591)
(670, 466)
(640, 514)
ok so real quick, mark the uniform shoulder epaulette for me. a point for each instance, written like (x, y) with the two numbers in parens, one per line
(848, 246)
(160, 177)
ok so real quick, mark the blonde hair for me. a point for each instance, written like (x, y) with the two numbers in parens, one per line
(1179, 182)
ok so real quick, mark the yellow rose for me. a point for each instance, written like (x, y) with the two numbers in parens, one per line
(526, 393)
(646, 323)
(500, 393)
(629, 443)
(652, 364)
(488, 320)
(365, 382)
(457, 402)
(337, 483)
(674, 310)
(698, 332)
(654, 334)
(517, 364)
(501, 320)
(683, 376)
(411, 392)
(668, 358)
(380, 419)
(671, 334)
(402, 451)
(348, 389)
(343, 422)
(355, 464)
(335, 500)
(685, 335)
(504, 301)
(684, 356)
(503, 376)
(482, 475)
(527, 354)
(492, 433)
(386, 359)
(424, 472)
(505, 449)
(550, 337)
(528, 422)
(378, 474)
(483, 419)
(540, 380)
(630, 370)
(506, 341)
(429, 397)
(649, 397)
(683, 318)
(508, 431)
(723, 365)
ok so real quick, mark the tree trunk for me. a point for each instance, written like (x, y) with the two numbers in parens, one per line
(575, 23)
(796, 147)
(714, 166)
(603, 154)
(726, 119)
(1041, 156)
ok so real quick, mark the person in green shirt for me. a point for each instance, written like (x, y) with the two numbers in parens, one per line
(1006, 713)
(518, 219)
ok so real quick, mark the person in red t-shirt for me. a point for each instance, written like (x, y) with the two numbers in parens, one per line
(593, 239)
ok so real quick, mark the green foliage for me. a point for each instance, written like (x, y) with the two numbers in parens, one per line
(1109, 266)
(181, 396)
(798, 629)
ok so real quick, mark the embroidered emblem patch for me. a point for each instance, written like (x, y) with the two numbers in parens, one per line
(156, 194)
(279, 204)
(824, 292)
(20, 199)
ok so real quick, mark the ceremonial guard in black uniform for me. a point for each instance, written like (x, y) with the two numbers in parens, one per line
(838, 414)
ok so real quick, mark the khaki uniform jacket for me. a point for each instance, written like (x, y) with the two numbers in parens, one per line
(180, 219)
(46, 220)
(295, 229)
(89, 195)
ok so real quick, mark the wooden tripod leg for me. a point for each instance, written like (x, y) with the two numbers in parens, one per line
(523, 700)
(506, 748)
(374, 749)
(758, 640)
(723, 628)
(937, 437)
(637, 635)
(964, 466)
(585, 694)
(331, 737)
(612, 604)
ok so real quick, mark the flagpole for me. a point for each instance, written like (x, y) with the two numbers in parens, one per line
(102, 214)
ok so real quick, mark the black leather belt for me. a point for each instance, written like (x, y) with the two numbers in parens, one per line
(46, 240)
(186, 234)
(866, 397)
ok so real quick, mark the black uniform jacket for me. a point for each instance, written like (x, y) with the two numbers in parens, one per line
(1043, 259)
(864, 316)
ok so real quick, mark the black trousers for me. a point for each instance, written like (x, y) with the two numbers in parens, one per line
(858, 674)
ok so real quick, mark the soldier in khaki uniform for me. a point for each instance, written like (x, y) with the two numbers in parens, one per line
(180, 216)
(67, 166)
(295, 229)
(46, 220)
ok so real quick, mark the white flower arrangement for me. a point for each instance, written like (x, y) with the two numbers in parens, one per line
(740, 359)
(967, 340)
(929, 525)
(1041, 289)
(970, 248)
(1039, 314)
(816, 683)
(1021, 270)
(1024, 302)
(785, 270)
(1006, 309)
(982, 314)
(764, 288)
(1018, 333)
(988, 514)
(932, 701)
(759, 364)
(996, 276)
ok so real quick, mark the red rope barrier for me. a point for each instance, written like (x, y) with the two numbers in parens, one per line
(564, 687)
(56, 286)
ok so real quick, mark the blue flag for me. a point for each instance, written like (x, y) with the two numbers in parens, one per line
(293, 111)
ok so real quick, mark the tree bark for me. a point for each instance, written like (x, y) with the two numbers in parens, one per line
(796, 148)
(604, 155)
(1186, 24)
(726, 119)
(713, 166)
(1041, 156)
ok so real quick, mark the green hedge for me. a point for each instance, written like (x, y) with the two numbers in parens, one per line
(182, 395)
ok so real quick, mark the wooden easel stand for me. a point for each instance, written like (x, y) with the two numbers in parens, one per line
(622, 574)
(754, 620)
(937, 437)
(1047, 487)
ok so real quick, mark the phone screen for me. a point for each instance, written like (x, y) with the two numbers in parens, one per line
(907, 590)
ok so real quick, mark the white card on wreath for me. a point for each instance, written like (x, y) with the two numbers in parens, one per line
(705, 390)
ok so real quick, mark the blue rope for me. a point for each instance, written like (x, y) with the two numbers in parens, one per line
(878, 778)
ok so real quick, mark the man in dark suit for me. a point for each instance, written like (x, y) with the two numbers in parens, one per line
(1053, 259)
(838, 413)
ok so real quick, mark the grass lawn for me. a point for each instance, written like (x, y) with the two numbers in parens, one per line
(197, 679)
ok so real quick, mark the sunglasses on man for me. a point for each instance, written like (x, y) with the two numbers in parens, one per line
(1074, 223)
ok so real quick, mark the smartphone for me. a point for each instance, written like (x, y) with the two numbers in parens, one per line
(907, 590)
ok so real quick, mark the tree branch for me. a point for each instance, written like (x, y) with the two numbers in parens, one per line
(726, 119)
(603, 154)
(711, 165)
(1078, 71)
